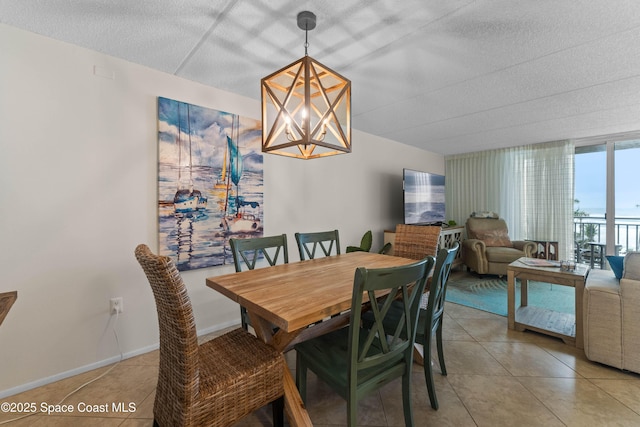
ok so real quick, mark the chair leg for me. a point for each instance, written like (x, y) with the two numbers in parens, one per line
(443, 368)
(428, 374)
(406, 397)
(243, 318)
(352, 409)
(277, 407)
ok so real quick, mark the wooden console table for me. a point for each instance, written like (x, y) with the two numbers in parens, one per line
(6, 301)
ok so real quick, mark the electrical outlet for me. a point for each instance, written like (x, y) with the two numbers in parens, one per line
(117, 306)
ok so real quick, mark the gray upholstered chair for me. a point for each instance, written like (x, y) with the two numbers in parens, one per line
(488, 248)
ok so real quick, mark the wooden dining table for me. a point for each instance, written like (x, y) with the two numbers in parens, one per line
(303, 300)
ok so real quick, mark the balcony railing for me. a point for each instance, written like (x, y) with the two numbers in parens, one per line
(594, 229)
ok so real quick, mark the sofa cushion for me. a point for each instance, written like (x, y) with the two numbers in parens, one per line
(617, 265)
(632, 266)
(603, 281)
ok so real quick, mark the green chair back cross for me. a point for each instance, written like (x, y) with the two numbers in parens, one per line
(247, 252)
(326, 243)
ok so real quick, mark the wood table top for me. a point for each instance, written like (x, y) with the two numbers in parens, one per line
(547, 268)
(295, 295)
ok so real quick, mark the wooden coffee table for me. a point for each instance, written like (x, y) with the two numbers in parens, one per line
(568, 327)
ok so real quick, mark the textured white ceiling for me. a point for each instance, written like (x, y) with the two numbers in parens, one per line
(449, 76)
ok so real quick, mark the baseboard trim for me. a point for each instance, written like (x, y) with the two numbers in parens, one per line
(99, 364)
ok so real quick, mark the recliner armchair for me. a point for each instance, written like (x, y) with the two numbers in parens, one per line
(488, 248)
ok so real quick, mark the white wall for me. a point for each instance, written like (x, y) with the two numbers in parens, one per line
(78, 172)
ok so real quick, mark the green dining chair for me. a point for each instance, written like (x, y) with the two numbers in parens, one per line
(356, 361)
(429, 318)
(326, 243)
(247, 253)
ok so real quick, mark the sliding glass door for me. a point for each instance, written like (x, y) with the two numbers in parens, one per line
(627, 197)
(607, 200)
(590, 203)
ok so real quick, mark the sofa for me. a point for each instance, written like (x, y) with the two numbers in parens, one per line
(488, 248)
(611, 315)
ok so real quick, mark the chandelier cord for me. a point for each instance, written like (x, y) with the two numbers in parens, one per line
(306, 39)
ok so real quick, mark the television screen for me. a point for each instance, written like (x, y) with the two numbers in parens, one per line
(423, 197)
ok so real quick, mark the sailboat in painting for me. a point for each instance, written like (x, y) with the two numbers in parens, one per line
(187, 201)
(222, 183)
(236, 218)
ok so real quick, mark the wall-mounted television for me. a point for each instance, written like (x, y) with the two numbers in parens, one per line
(423, 197)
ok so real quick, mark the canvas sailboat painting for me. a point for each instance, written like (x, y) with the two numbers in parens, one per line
(210, 178)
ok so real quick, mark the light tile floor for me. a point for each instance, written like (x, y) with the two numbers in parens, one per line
(496, 377)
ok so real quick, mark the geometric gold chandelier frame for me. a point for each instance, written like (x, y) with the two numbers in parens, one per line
(306, 108)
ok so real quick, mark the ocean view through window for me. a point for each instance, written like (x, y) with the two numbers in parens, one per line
(607, 201)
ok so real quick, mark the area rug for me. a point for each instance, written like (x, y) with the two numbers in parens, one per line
(490, 294)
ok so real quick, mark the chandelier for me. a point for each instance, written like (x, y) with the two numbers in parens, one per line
(306, 107)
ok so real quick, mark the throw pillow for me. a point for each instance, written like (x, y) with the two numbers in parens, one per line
(617, 265)
(484, 214)
(495, 238)
(632, 266)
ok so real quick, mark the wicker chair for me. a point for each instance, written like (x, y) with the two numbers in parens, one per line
(416, 241)
(213, 384)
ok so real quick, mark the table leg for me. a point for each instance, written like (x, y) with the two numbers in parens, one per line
(579, 290)
(293, 405)
(511, 299)
(263, 329)
(284, 341)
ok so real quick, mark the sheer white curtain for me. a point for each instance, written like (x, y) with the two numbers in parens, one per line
(531, 187)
